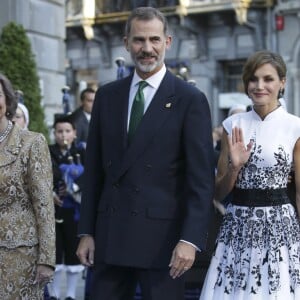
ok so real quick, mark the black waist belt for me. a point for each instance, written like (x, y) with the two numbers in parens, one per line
(257, 197)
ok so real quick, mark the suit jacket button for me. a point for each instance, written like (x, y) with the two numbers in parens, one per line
(116, 185)
(134, 213)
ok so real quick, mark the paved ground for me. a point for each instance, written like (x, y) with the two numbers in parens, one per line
(80, 289)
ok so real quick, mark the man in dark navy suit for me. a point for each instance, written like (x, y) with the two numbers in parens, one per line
(148, 191)
(82, 115)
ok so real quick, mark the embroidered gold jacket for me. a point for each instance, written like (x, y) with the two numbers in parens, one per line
(26, 200)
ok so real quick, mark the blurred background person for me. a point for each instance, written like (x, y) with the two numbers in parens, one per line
(237, 108)
(66, 99)
(122, 71)
(82, 115)
(21, 116)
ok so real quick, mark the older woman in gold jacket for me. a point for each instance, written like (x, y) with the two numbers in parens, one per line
(27, 226)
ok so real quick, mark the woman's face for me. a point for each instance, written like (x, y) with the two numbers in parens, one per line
(264, 86)
(2, 104)
(19, 118)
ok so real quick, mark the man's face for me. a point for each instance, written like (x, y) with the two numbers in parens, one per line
(147, 45)
(87, 102)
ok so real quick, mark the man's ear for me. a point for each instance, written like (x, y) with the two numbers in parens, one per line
(125, 40)
(168, 42)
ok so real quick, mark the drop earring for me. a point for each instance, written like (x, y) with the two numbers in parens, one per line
(280, 94)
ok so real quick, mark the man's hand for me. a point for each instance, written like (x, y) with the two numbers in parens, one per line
(85, 250)
(182, 259)
(57, 200)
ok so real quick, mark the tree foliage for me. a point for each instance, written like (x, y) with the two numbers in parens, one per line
(18, 64)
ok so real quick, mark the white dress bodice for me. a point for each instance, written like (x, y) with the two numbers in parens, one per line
(271, 156)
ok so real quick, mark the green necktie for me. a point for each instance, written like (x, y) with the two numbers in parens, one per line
(137, 110)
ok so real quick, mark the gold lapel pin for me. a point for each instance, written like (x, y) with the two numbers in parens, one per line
(168, 105)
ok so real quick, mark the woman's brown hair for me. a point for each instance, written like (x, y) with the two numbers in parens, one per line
(10, 97)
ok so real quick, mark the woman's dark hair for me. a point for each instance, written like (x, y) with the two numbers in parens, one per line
(10, 97)
(260, 58)
(146, 14)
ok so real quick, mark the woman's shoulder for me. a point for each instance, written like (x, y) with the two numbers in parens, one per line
(291, 117)
(32, 138)
(32, 135)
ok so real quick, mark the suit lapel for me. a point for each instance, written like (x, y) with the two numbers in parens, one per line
(159, 109)
(11, 150)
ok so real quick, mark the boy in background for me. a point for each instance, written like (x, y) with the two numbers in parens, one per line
(67, 162)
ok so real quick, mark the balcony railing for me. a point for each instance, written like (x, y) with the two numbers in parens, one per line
(86, 13)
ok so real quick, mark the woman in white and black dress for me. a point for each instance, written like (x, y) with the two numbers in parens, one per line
(257, 253)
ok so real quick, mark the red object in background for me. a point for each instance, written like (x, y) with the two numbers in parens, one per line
(279, 19)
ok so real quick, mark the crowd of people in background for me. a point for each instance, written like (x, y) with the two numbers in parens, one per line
(67, 164)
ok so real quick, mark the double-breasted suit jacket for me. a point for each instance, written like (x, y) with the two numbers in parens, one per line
(26, 200)
(141, 198)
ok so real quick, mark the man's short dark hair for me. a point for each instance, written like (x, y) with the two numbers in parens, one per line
(146, 14)
(86, 91)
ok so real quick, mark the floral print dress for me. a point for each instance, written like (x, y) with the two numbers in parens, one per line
(257, 254)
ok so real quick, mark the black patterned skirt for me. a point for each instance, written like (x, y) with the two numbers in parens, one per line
(257, 255)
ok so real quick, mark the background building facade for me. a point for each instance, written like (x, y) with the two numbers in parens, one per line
(211, 41)
(44, 22)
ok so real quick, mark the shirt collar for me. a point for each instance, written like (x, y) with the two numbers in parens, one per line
(154, 80)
